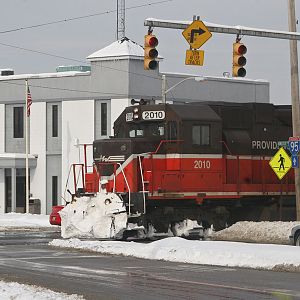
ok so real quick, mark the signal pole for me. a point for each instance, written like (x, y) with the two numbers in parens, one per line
(295, 94)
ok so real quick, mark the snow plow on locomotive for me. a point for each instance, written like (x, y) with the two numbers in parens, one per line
(205, 162)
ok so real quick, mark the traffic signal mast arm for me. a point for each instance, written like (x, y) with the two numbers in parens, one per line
(236, 30)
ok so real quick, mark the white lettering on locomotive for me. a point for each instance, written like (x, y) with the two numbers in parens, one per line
(153, 115)
(202, 164)
(111, 158)
(265, 145)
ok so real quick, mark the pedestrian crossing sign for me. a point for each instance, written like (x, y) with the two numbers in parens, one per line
(281, 163)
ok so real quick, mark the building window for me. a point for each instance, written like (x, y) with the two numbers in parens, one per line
(18, 122)
(103, 118)
(54, 120)
(54, 190)
(201, 135)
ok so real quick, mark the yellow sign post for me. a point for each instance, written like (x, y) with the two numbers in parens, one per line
(281, 163)
(197, 34)
(194, 57)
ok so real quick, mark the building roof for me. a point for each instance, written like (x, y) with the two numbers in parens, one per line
(121, 49)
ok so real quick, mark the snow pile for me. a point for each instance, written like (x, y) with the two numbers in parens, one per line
(17, 220)
(13, 290)
(257, 232)
(100, 216)
(198, 252)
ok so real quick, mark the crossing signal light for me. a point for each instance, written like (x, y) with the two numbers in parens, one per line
(239, 60)
(150, 52)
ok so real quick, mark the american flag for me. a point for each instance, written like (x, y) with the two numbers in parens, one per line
(29, 101)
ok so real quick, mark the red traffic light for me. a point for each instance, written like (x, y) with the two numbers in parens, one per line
(151, 41)
(239, 60)
(150, 52)
(241, 49)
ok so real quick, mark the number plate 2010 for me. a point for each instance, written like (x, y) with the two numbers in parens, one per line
(153, 115)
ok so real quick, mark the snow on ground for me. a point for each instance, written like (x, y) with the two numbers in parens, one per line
(257, 232)
(17, 220)
(220, 253)
(223, 253)
(17, 291)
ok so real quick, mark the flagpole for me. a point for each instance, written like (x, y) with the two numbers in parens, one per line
(26, 146)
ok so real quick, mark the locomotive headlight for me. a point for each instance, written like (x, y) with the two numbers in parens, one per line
(135, 116)
(135, 110)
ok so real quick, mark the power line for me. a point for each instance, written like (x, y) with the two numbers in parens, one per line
(76, 60)
(65, 89)
(81, 17)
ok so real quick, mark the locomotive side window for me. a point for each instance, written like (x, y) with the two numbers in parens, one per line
(172, 130)
(201, 135)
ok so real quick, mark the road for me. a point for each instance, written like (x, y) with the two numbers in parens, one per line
(96, 276)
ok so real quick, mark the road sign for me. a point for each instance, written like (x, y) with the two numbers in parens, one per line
(196, 34)
(294, 145)
(281, 163)
(194, 57)
(283, 144)
(295, 161)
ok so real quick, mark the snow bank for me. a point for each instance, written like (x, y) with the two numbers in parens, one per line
(218, 253)
(17, 220)
(257, 232)
(13, 290)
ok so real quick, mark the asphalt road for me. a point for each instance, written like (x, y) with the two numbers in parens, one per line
(30, 260)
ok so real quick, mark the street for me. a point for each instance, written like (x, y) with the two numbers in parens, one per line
(96, 276)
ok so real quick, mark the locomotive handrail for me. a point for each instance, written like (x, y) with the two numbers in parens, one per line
(129, 198)
(226, 146)
(166, 141)
(143, 183)
(124, 176)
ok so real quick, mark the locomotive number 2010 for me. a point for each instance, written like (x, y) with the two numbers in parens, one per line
(153, 115)
(202, 164)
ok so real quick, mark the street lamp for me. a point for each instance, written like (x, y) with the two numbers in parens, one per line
(164, 84)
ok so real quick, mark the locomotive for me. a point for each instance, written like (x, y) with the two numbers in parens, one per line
(207, 162)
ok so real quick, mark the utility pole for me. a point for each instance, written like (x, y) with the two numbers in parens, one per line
(120, 19)
(295, 94)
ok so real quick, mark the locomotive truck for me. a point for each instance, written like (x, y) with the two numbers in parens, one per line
(207, 162)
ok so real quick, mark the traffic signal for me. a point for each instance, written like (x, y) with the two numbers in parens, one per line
(150, 52)
(239, 60)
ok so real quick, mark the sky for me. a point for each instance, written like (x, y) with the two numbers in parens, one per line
(267, 59)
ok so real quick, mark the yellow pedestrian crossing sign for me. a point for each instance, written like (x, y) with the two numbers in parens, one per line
(281, 163)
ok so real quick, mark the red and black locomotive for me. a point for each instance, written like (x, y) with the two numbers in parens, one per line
(205, 161)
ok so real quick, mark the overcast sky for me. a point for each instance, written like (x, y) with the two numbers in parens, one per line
(267, 58)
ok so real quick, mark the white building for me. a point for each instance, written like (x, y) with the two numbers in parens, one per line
(73, 108)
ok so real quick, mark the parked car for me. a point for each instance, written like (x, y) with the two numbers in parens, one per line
(295, 236)
(54, 216)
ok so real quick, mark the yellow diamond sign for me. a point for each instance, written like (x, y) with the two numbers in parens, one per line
(196, 34)
(281, 163)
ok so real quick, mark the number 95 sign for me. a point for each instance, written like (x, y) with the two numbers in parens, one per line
(294, 146)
